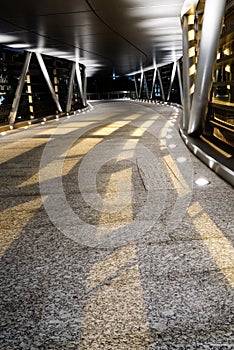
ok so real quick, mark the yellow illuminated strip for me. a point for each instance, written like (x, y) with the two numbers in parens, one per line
(191, 52)
(223, 121)
(191, 91)
(192, 70)
(223, 126)
(219, 246)
(191, 35)
(191, 19)
(225, 154)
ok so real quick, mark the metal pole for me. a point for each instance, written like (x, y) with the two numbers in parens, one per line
(141, 83)
(135, 82)
(48, 81)
(79, 80)
(189, 65)
(211, 28)
(180, 82)
(161, 85)
(70, 88)
(153, 83)
(172, 79)
(19, 89)
(146, 85)
(85, 85)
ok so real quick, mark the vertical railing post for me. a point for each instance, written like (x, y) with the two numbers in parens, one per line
(189, 65)
(211, 30)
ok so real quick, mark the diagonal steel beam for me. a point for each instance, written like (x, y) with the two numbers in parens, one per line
(48, 81)
(172, 80)
(153, 83)
(19, 89)
(80, 84)
(70, 88)
(161, 85)
(180, 82)
(136, 88)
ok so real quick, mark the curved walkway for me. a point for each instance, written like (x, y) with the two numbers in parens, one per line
(106, 240)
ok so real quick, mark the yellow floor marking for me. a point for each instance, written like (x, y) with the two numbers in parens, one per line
(115, 316)
(17, 217)
(218, 245)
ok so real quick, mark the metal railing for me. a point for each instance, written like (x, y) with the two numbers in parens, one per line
(110, 95)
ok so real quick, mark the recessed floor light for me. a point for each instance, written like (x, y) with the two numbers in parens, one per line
(181, 159)
(201, 181)
(172, 145)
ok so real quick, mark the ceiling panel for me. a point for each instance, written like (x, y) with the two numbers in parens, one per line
(123, 35)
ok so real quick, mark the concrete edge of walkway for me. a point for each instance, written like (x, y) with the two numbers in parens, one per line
(26, 123)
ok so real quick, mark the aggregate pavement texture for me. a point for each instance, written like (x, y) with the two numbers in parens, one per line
(106, 240)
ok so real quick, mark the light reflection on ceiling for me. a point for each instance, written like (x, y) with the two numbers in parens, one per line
(123, 35)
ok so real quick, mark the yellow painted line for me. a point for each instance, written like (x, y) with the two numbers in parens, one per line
(225, 154)
(218, 245)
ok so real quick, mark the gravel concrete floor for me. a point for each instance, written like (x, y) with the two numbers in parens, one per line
(107, 242)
